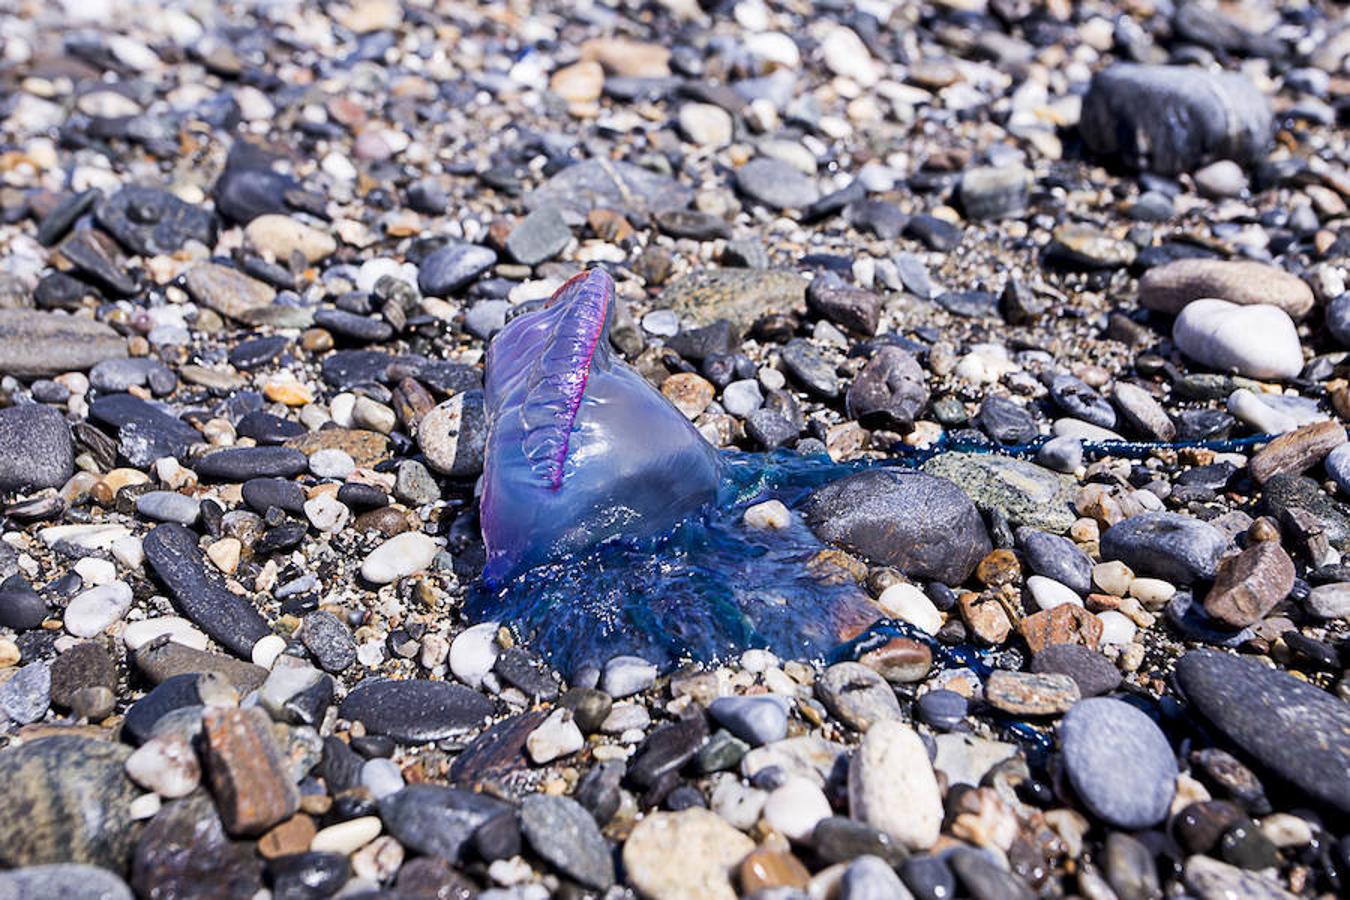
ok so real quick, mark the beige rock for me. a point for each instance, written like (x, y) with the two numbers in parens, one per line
(891, 786)
(686, 855)
(282, 235)
(1171, 287)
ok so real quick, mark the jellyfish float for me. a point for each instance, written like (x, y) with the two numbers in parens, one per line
(613, 527)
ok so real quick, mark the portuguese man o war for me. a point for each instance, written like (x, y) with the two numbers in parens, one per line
(613, 527)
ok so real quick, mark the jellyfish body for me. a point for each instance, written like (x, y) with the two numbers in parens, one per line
(580, 447)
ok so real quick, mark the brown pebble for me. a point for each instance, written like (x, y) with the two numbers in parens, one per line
(765, 869)
(1250, 584)
(900, 660)
(985, 617)
(247, 770)
(1064, 624)
(1031, 693)
(1297, 451)
(316, 340)
(999, 568)
(291, 836)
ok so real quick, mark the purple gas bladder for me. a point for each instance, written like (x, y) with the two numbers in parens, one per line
(581, 449)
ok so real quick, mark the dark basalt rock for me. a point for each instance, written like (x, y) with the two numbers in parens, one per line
(1291, 728)
(919, 523)
(171, 551)
(415, 711)
(1171, 119)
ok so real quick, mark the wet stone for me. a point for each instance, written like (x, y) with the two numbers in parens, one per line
(184, 851)
(918, 523)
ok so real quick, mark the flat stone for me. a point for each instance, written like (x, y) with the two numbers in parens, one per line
(228, 291)
(921, 524)
(776, 184)
(415, 711)
(1119, 762)
(1297, 451)
(1300, 733)
(69, 881)
(68, 801)
(282, 235)
(152, 222)
(438, 820)
(1030, 694)
(540, 236)
(1093, 673)
(36, 450)
(398, 557)
(739, 295)
(1026, 493)
(1057, 557)
(608, 184)
(563, 833)
(243, 463)
(37, 344)
(1171, 287)
(145, 431)
(452, 267)
(172, 554)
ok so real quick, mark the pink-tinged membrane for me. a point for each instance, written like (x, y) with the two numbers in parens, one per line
(558, 381)
(580, 447)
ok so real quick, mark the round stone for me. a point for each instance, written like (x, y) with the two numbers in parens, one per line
(1119, 762)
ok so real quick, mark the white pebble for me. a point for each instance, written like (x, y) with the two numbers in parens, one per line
(909, 604)
(473, 653)
(267, 649)
(627, 675)
(180, 631)
(771, 515)
(346, 837)
(165, 764)
(331, 463)
(1113, 577)
(794, 808)
(326, 513)
(96, 571)
(381, 777)
(1049, 593)
(1116, 627)
(556, 737)
(1153, 593)
(97, 608)
(399, 556)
